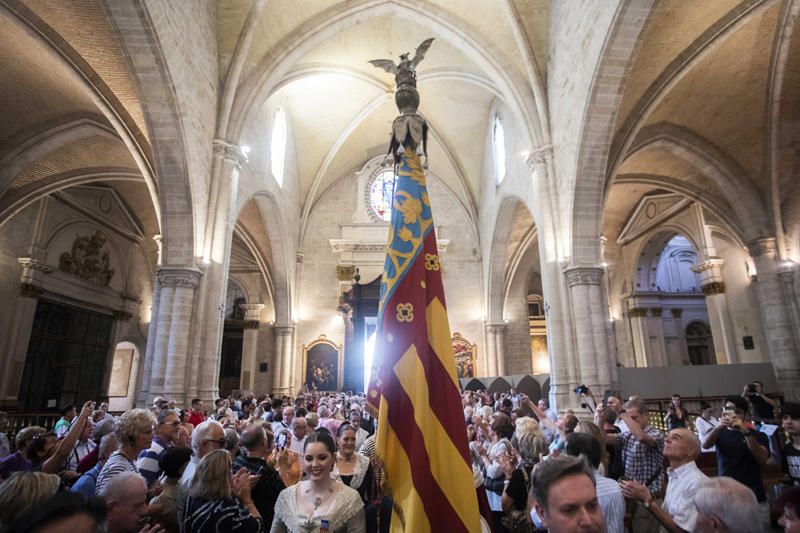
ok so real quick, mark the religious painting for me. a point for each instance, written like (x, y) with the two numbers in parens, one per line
(465, 353)
(322, 365)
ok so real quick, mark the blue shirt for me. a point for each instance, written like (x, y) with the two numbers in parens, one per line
(86, 484)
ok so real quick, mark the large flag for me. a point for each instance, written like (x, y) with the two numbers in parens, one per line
(421, 435)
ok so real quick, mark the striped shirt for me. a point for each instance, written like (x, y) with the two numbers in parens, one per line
(147, 463)
(612, 502)
(204, 516)
(115, 465)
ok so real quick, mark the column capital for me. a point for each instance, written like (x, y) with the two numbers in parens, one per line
(283, 330)
(179, 277)
(541, 155)
(494, 328)
(229, 151)
(251, 311)
(676, 312)
(712, 288)
(709, 264)
(579, 275)
(636, 312)
(762, 246)
(656, 311)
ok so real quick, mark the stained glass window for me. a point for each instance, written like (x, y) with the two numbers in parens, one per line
(278, 145)
(499, 149)
(381, 188)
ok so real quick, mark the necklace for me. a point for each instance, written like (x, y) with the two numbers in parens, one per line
(346, 460)
(317, 500)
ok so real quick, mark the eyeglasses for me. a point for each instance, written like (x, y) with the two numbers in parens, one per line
(173, 424)
(220, 442)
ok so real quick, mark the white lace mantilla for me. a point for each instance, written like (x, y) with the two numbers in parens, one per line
(359, 472)
(346, 513)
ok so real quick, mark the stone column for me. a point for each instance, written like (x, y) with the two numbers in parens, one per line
(717, 304)
(637, 317)
(656, 330)
(590, 314)
(495, 334)
(680, 333)
(16, 346)
(171, 349)
(776, 317)
(282, 364)
(252, 313)
(209, 317)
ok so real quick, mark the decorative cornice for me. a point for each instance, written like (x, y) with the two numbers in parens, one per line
(27, 290)
(637, 312)
(715, 287)
(540, 156)
(251, 314)
(35, 264)
(347, 245)
(122, 316)
(656, 311)
(583, 276)
(179, 277)
(230, 151)
(708, 264)
(763, 246)
(676, 312)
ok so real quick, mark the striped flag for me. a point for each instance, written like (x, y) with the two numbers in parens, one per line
(421, 436)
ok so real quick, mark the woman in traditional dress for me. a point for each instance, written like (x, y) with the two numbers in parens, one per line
(320, 503)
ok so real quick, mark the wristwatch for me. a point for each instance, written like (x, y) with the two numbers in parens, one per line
(647, 503)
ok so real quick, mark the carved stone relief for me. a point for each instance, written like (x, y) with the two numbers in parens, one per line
(88, 260)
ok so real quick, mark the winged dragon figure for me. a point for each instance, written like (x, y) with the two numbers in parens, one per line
(409, 130)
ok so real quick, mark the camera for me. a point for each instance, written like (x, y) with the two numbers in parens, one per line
(282, 441)
(751, 388)
(581, 389)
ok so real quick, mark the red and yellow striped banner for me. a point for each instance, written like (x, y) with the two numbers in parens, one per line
(421, 435)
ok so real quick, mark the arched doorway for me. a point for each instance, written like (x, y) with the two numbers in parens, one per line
(700, 344)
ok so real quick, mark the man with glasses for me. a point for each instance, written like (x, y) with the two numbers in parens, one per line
(167, 424)
(207, 437)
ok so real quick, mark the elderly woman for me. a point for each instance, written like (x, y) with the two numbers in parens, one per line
(355, 471)
(134, 432)
(218, 501)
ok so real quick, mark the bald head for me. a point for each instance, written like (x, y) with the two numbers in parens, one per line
(681, 446)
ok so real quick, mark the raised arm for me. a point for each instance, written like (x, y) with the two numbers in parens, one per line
(63, 448)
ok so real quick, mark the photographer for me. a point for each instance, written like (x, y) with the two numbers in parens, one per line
(763, 407)
(741, 450)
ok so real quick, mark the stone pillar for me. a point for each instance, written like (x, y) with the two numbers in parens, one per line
(210, 315)
(252, 313)
(495, 334)
(776, 316)
(597, 368)
(637, 317)
(282, 364)
(717, 304)
(656, 330)
(680, 333)
(171, 348)
(16, 347)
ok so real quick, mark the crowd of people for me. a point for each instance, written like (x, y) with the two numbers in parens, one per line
(307, 464)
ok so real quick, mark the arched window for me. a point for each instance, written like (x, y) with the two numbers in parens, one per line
(499, 149)
(381, 189)
(278, 145)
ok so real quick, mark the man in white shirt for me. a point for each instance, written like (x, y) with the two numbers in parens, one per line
(299, 434)
(705, 423)
(679, 513)
(285, 422)
(82, 448)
